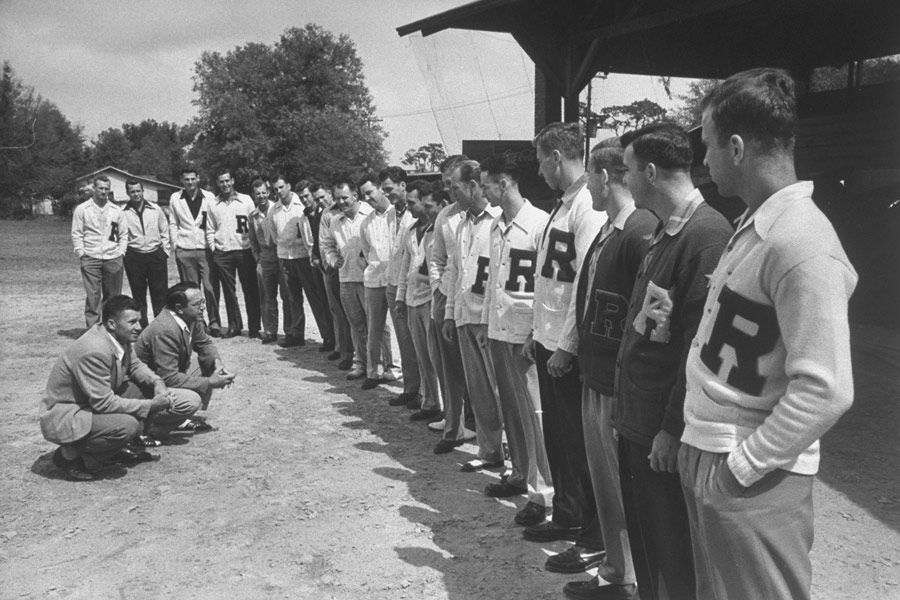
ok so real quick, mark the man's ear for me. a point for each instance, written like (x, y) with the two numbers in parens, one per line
(650, 172)
(604, 174)
(737, 148)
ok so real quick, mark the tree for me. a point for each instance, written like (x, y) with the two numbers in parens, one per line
(146, 148)
(426, 158)
(42, 151)
(624, 117)
(299, 107)
(688, 115)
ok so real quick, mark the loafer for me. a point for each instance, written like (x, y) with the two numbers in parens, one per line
(575, 560)
(370, 383)
(532, 514)
(74, 470)
(424, 414)
(292, 342)
(356, 374)
(503, 489)
(548, 531)
(597, 590)
(269, 339)
(437, 426)
(345, 365)
(398, 401)
(333, 356)
(230, 334)
(476, 464)
(253, 335)
(127, 456)
(445, 446)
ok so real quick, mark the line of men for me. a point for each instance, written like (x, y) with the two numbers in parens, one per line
(662, 379)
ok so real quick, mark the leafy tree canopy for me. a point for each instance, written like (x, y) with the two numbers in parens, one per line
(147, 148)
(426, 158)
(298, 107)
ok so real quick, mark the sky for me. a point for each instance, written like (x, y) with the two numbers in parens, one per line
(109, 62)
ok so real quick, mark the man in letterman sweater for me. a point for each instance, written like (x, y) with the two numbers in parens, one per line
(769, 371)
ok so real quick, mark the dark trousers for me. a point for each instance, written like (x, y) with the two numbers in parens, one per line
(194, 266)
(658, 526)
(232, 265)
(573, 493)
(341, 326)
(148, 270)
(303, 277)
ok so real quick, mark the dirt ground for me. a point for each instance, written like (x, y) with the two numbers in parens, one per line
(312, 488)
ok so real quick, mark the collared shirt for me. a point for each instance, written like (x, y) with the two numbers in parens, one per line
(228, 228)
(188, 221)
(769, 369)
(286, 227)
(99, 232)
(414, 283)
(445, 226)
(572, 227)
(467, 267)
(147, 229)
(117, 347)
(342, 239)
(183, 325)
(377, 237)
(508, 306)
(262, 243)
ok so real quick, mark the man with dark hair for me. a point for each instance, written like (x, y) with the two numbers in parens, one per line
(188, 220)
(166, 346)
(769, 371)
(664, 313)
(100, 240)
(506, 320)
(270, 277)
(467, 273)
(605, 283)
(228, 235)
(342, 250)
(392, 182)
(147, 256)
(315, 276)
(377, 234)
(99, 393)
(564, 242)
(343, 341)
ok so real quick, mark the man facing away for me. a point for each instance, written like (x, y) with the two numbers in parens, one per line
(605, 284)
(228, 235)
(769, 371)
(99, 395)
(100, 240)
(188, 220)
(269, 276)
(147, 256)
(167, 345)
(663, 316)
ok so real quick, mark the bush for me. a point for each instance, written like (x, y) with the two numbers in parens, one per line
(15, 209)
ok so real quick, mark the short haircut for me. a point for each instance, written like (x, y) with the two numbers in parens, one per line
(130, 182)
(342, 178)
(608, 154)
(367, 177)
(500, 164)
(177, 294)
(280, 177)
(665, 144)
(258, 183)
(224, 172)
(188, 169)
(469, 170)
(302, 185)
(565, 137)
(101, 178)
(395, 174)
(417, 186)
(315, 187)
(451, 162)
(760, 105)
(116, 305)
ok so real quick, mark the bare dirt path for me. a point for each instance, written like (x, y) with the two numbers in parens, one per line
(312, 488)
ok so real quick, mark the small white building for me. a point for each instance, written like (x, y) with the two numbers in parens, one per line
(155, 191)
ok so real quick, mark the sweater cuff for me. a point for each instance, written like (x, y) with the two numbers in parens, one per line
(741, 468)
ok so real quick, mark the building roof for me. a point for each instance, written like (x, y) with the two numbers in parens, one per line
(128, 175)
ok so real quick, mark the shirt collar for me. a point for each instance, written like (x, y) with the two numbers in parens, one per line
(619, 222)
(683, 214)
(766, 215)
(144, 206)
(228, 198)
(199, 196)
(120, 351)
(180, 321)
(573, 190)
(517, 220)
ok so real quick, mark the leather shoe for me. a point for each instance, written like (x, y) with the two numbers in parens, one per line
(127, 456)
(532, 514)
(230, 334)
(548, 531)
(345, 365)
(333, 356)
(356, 374)
(253, 335)
(414, 403)
(437, 426)
(370, 383)
(424, 414)
(74, 470)
(214, 332)
(575, 560)
(503, 489)
(292, 342)
(445, 446)
(326, 347)
(397, 401)
(597, 590)
(269, 339)
(476, 464)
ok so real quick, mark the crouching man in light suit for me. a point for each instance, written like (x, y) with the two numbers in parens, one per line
(100, 394)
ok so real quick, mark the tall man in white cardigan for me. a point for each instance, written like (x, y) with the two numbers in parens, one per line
(769, 369)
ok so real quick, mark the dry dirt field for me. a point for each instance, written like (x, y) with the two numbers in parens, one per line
(313, 489)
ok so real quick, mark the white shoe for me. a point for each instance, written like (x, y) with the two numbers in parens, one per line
(437, 425)
(468, 434)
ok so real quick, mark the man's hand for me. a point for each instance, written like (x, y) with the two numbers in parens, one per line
(339, 262)
(528, 349)
(448, 330)
(400, 307)
(560, 363)
(220, 377)
(664, 453)
(481, 336)
(159, 387)
(161, 402)
(316, 263)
